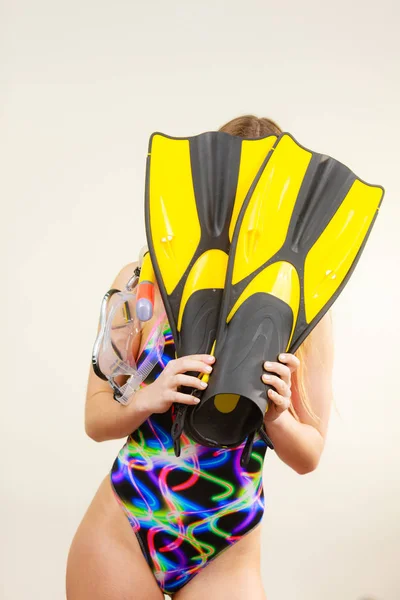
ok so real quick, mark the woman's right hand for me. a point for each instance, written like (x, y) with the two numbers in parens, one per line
(163, 392)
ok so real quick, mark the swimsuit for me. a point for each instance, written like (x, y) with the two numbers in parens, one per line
(184, 511)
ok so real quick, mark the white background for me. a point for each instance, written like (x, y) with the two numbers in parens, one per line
(83, 84)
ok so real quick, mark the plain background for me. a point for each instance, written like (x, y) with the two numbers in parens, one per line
(83, 85)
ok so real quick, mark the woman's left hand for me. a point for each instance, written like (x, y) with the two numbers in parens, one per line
(279, 376)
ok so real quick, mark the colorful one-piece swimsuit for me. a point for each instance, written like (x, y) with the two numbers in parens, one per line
(187, 510)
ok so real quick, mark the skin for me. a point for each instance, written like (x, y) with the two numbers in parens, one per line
(105, 561)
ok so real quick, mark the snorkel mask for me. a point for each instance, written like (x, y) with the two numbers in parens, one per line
(116, 348)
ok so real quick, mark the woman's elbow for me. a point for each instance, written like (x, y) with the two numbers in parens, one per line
(311, 460)
(309, 465)
(93, 430)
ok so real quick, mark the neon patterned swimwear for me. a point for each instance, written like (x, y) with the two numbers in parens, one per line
(187, 510)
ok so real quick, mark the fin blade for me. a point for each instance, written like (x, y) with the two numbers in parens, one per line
(331, 257)
(172, 204)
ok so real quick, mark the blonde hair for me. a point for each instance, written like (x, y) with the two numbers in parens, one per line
(250, 126)
(299, 380)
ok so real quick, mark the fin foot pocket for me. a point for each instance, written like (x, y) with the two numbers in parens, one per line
(236, 400)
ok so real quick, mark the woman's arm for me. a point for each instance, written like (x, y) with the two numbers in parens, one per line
(107, 419)
(300, 444)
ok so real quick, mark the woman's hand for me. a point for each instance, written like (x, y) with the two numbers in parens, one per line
(279, 376)
(163, 392)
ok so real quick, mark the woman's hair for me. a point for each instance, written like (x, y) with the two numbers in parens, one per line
(250, 126)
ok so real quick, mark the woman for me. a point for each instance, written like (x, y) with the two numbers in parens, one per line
(185, 526)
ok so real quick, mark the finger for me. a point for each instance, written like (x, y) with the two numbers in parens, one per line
(184, 364)
(208, 358)
(185, 398)
(189, 381)
(290, 360)
(278, 383)
(280, 369)
(281, 402)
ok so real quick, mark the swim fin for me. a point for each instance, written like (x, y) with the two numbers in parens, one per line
(299, 234)
(195, 188)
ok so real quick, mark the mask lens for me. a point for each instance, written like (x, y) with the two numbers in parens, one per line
(117, 345)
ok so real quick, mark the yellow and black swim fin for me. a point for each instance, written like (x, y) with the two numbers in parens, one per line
(299, 234)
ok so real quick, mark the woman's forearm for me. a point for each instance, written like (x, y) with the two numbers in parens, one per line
(299, 445)
(106, 419)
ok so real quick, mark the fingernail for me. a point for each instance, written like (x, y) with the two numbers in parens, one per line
(267, 365)
(267, 377)
(282, 356)
(208, 369)
(210, 358)
(203, 384)
(196, 400)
